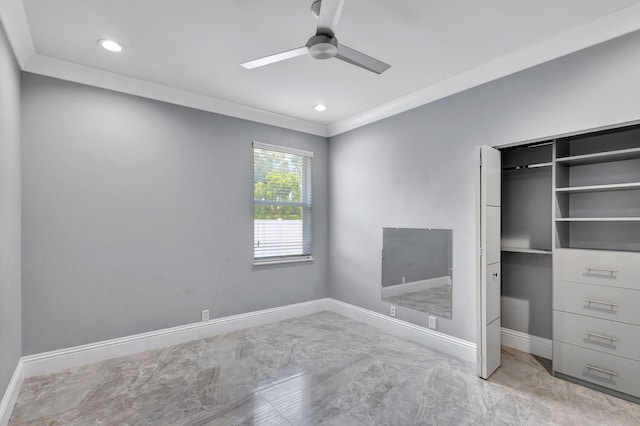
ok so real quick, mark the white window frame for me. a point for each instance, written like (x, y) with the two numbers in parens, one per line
(306, 204)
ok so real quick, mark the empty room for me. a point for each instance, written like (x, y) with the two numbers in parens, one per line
(319, 212)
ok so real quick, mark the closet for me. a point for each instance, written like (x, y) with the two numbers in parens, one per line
(571, 254)
(526, 241)
(596, 260)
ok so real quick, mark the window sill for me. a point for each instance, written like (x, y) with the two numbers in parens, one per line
(282, 261)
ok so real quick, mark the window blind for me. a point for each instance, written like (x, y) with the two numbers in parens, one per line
(281, 203)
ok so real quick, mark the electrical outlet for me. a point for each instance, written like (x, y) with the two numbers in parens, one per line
(205, 315)
(433, 322)
(392, 311)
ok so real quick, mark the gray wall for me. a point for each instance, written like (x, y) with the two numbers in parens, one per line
(418, 169)
(139, 214)
(10, 326)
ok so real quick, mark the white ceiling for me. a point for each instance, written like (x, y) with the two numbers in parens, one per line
(189, 51)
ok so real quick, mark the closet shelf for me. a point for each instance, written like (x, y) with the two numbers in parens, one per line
(600, 157)
(600, 188)
(598, 219)
(524, 250)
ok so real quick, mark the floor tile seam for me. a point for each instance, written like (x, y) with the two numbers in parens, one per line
(470, 412)
(354, 415)
(57, 415)
(521, 393)
(521, 383)
(554, 405)
(403, 364)
(220, 410)
(195, 395)
(508, 394)
(314, 368)
(600, 398)
(488, 413)
(532, 362)
(513, 393)
(274, 407)
(324, 374)
(545, 373)
(396, 383)
(332, 373)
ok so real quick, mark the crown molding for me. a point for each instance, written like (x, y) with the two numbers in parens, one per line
(14, 21)
(608, 27)
(613, 25)
(51, 67)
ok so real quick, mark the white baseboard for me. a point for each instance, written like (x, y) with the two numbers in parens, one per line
(526, 343)
(53, 361)
(49, 362)
(11, 394)
(400, 289)
(442, 342)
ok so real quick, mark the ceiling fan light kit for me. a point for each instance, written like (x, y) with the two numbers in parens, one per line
(324, 45)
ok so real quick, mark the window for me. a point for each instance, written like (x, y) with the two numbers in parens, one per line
(281, 203)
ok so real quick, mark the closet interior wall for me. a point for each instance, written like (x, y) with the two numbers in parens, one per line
(526, 303)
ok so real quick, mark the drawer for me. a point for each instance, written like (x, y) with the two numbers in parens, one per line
(609, 268)
(606, 370)
(618, 304)
(594, 333)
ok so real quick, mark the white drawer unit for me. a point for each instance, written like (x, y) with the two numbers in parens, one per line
(606, 268)
(596, 259)
(594, 333)
(617, 304)
(614, 372)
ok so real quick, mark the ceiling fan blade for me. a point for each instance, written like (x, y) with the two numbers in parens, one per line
(330, 11)
(288, 54)
(360, 59)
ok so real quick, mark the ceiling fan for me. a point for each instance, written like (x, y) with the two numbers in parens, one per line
(324, 44)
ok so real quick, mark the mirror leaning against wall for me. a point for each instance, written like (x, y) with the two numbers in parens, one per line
(417, 270)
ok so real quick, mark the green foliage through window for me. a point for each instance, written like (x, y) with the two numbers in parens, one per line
(281, 202)
(278, 186)
(277, 177)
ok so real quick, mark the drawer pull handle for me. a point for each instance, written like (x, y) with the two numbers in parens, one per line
(611, 272)
(600, 336)
(600, 302)
(591, 367)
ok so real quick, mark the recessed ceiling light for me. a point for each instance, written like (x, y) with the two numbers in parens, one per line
(110, 45)
(320, 107)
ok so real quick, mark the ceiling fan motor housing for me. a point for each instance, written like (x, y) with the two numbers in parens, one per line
(322, 46)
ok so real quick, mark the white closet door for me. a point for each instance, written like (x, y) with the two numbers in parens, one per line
(489, 329)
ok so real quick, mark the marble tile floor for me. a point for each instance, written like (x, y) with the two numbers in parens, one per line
(320, 369)
(434, 301)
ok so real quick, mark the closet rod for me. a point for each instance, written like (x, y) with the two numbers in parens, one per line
(528, 166)
(533, 145)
